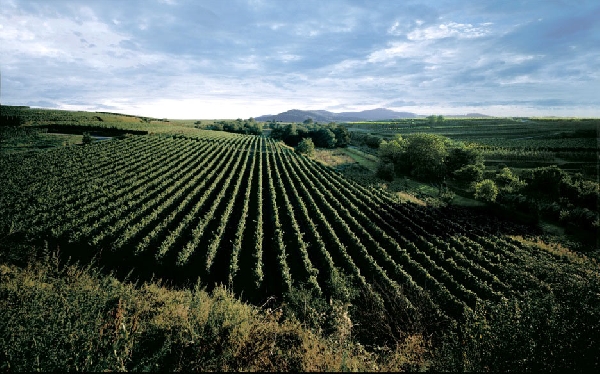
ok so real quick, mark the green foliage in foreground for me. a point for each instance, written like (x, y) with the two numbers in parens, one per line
(69, 318)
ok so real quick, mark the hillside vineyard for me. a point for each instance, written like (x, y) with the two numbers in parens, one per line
(250, 213)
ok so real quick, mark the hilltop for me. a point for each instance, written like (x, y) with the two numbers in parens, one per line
(297, 115)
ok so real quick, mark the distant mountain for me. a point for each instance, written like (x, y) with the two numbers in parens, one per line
(296, 115)
(469, 115)
(378, 114)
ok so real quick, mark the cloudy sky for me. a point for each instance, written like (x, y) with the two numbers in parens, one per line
(244, 58)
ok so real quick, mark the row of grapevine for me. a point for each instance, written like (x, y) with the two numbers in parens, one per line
(248, 212)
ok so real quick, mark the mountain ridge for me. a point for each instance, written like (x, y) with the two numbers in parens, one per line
(378, 114)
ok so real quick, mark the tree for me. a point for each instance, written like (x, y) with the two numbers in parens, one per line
(87, 138)
(507, 181)
(547, 181)
(305, 147)
(462, 156)
(290, 130)
(324, 138)
(342, 136)
(385, 170)
(486, 190)
(426, 155)
(307, 121)
(421, 155)
(394, 152)
(469, 173)
(433, 118)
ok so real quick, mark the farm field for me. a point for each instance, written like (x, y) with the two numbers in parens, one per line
(183, 208)
(249, 213)
(571, 143)
(173, 203)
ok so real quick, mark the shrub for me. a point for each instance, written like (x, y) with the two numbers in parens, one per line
(305, 147)
(469, 173)
(87, 138)
(486, 190)
(385, 170)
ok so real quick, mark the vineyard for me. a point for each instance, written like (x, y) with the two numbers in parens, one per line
(250, 213)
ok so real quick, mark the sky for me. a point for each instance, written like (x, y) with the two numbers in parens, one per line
(200, 59)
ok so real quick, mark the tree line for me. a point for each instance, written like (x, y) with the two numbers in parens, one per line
(547, 192)
(329, 135)
(239, 126)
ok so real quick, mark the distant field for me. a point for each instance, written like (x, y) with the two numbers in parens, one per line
(570, 143)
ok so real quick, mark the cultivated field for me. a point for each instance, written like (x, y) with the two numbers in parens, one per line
(247, 212)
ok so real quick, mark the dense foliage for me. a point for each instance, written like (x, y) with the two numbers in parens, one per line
(323, 136)
(428, 157)
(305, 147)
(58, 318)
(239, 126)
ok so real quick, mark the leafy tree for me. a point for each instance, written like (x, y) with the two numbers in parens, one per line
(287, 133)
(277, 131)
(290, 130)
(462, 156)
(342, 136)
(305, 147)
(433, 118)
(87, 138)
(324, 138)
(546, 182)
(421, 155)
(507, 181)
(486, 190)
(307, 121)
(426, 155)
(469, 173)
(385, 170)
(394, 152)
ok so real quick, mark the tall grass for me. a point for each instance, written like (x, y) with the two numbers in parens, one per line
(71, 318)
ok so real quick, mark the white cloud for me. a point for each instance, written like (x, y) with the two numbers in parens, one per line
(397, 50)
(394, 28)
(451, 29)
(247, 58)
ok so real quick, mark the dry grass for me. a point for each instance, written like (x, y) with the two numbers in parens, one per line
(406, 197)
(556, 249)
(332, 157)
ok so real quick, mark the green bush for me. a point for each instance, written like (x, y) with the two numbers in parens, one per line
(385, 170)
(305, 147)
(486, 190)
(87, 138)
(66, 318)
(469, 173)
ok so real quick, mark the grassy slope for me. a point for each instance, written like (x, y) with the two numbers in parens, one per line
(69, 318)
(407, 189)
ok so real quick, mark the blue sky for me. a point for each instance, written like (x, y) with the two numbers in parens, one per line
(244, 58)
